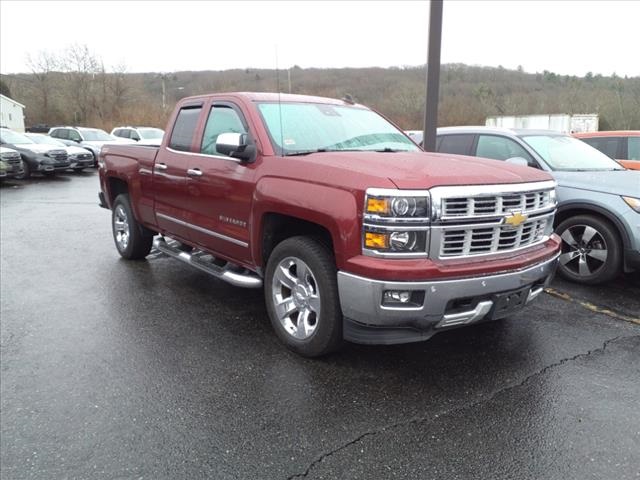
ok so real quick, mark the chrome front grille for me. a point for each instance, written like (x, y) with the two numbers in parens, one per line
(11, 158)
(479, 240)
(495, 204)
(490, 219)
(58, 155)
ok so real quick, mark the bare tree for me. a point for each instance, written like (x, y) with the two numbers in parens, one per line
(81, 68)
(43, 65)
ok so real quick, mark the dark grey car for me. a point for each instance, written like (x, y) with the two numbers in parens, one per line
(598, 215)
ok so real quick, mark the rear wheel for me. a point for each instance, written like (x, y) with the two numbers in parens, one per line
(591, 250)
(301, 293)
(132, 240)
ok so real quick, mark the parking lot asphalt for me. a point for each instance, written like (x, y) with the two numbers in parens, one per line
(153, 370)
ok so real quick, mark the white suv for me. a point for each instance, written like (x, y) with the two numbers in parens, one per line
(145, 135)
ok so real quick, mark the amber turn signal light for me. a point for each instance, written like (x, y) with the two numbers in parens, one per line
(376, 240)
(378, 205)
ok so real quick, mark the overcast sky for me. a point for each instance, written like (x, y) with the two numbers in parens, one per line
(571, 37)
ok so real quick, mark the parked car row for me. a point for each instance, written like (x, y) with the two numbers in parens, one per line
(63, 148)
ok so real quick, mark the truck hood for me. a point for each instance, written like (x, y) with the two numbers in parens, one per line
(421, 170)
(7, 150)
(616, 182)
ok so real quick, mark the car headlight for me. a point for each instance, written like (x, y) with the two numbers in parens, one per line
(396, 223)
(633, 202)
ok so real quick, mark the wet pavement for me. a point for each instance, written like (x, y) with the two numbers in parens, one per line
(116, 370)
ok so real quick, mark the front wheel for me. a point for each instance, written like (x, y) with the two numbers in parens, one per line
(591, 250)
(132, 240)
(301, 293)
(26, 172)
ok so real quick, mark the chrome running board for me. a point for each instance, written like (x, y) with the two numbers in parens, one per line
(226, 271)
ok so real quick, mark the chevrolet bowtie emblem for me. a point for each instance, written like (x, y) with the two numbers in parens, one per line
(515, 219)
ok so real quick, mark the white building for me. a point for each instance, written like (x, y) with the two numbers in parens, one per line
(11, 114)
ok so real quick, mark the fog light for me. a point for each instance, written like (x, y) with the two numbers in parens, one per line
(396, 296)
(402, 241)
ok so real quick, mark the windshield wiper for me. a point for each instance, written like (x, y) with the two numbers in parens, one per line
(305, 152)
(390, 150)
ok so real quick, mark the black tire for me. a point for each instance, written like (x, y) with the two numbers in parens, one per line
(26, 172)
(591, 250)
(139, 239)
(327, 330)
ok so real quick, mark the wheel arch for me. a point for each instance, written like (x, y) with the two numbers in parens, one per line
(115, 187)
(572, 209)
(276, 227)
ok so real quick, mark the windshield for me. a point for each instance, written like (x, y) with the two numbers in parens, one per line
(150, 133)
(95, 135)
(15, 138)
(43, 139)
(311, 127)
(570, 154)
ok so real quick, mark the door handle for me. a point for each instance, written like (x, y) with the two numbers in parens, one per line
(194, 172)
(161, 166)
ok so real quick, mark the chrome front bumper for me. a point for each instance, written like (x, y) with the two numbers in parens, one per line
(367, 320)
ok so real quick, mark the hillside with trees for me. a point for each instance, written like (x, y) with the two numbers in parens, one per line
(74, 87)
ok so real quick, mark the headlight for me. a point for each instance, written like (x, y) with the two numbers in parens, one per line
(396, 223)
(634, 203)
(397, 206)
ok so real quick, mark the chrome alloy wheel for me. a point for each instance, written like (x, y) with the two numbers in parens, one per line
(121, 227)
(296, 298)
(584, 250)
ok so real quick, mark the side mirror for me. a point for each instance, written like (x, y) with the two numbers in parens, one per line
(518, 161)
(236, 145)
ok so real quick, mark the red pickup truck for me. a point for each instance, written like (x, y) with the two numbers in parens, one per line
(354, 232)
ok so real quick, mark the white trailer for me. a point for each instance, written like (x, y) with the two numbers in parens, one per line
(560, 122)
(11, 114)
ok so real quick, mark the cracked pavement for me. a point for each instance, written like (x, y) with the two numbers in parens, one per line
(115, 370)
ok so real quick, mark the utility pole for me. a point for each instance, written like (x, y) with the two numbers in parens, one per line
(433, 76)
(164, 91)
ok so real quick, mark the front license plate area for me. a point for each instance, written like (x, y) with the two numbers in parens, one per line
(504, 304)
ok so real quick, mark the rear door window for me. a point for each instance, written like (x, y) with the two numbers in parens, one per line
(60, 133)
(456, 144)
(184, 128)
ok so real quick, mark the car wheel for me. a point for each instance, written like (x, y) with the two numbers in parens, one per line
(591, 250)
(132, 240)
(301, 293)
(26, 172)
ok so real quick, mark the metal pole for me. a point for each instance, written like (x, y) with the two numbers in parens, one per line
(433, 76)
